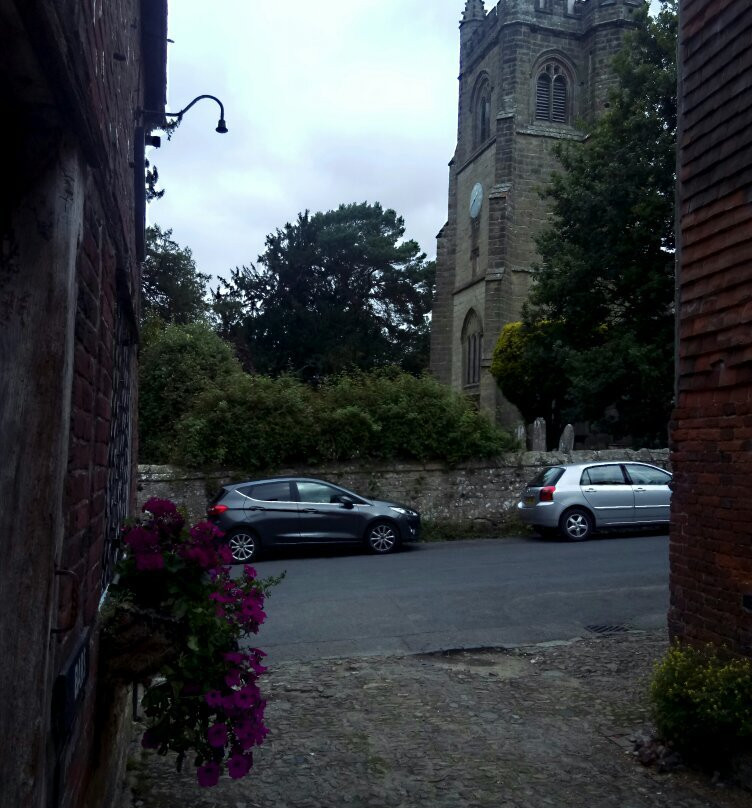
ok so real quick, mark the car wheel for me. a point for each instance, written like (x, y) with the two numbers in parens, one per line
(576, 524)
(382, 538)
(244, 545)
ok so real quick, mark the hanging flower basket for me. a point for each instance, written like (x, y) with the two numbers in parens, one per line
(137, 642)
(176, 613)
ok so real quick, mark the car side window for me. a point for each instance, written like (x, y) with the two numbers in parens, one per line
(278, 491)
(317, 492)
(603, 475)
(644, 475)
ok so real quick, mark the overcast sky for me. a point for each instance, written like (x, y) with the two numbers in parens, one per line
(326, 102)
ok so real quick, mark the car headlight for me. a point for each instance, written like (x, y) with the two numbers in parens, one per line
(403, 511)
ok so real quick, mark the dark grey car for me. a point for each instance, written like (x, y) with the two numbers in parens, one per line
(286, 511)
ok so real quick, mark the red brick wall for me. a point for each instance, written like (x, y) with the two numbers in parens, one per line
(711, 530)
(77, 74)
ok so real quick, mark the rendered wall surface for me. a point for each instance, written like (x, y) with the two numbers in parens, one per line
(711, 437)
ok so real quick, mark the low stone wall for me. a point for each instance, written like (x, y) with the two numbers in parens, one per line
(475, 496)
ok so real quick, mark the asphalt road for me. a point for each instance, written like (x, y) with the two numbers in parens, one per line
(460, 595)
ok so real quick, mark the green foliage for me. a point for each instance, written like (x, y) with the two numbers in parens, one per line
(247, 422)
(528, 365)
(402, 416)
(254, 422)
(606, 275)
(171, 286)
(334, 291)
(702, 703)
(177, 362)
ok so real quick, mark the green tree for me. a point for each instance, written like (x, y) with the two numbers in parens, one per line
(528, 365)
(176, 364)
(607, 261)
(171, 286)
(332, 291)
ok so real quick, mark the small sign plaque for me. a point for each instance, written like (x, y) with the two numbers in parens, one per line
(69, 688)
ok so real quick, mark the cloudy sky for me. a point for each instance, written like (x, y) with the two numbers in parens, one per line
(326, 102)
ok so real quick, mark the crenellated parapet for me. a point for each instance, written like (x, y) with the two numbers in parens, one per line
(478, 27)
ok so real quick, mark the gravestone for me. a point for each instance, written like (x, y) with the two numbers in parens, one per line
(538, 435)
(566, 441)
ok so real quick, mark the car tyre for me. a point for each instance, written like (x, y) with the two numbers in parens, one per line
(382, 537)
(576, 524)
(244, 545)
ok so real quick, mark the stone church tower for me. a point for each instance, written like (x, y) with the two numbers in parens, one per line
(531, 72)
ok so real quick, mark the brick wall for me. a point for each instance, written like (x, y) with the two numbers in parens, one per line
(711, 533)
(76, 73)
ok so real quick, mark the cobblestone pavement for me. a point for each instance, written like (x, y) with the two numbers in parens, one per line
(533, 726)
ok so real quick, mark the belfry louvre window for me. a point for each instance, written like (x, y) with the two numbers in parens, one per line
(551, 102)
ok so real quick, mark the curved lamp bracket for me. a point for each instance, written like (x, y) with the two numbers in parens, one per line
(221, 125)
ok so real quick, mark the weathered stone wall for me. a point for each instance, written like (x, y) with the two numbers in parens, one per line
(478, 495)
(711, 547)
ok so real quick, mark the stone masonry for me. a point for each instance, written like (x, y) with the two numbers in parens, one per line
(477, 496)
(530, 72)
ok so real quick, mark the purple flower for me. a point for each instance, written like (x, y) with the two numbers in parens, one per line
(160, 507)
(239, 765)
(249, 571)
(141, 539)
(232, 678)
(213, 698)
(217, 736)
(149, 562)
(205, 533)
(236, 657)
(208, 774)
(247, 697)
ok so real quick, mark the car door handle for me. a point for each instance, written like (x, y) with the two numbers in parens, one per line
(255, 508)
(309, 510)
(640, 490)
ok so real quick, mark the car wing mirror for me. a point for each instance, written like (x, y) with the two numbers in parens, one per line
(344, 501)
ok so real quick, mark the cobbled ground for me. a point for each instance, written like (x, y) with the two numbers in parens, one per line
(528, 727)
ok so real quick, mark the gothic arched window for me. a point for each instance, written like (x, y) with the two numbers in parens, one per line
(482, 112)
(552, 94)
(472, 349)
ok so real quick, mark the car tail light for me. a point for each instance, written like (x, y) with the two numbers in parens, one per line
(547, 493)
(216, 510)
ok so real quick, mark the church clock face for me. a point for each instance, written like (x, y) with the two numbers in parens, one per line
(476, 200)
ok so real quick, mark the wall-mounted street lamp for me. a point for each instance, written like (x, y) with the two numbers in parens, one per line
(155, 116)
(221, 125)
(153, 119)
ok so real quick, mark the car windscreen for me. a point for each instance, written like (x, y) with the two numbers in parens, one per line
(549, 476)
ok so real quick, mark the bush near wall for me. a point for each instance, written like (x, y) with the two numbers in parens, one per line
(702, 704)
(255, 422)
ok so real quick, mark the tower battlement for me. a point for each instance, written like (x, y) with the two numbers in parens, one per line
(478, 27)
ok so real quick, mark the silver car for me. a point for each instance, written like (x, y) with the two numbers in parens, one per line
(578, 499)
